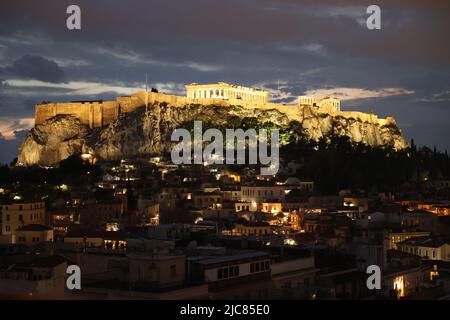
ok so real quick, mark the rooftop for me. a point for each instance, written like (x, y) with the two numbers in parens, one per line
(42, 262)
(233, 257)
(421, 213)
(98, 234)
(429, 242)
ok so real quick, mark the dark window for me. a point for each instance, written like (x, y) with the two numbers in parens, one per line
(233, 271)
(173, 271)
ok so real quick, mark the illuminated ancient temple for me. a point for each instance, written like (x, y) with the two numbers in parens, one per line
(225, 91)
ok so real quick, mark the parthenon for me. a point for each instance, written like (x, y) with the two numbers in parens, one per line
(226, 91)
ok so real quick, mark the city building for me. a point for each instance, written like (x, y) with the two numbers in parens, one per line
(18, 214)
(426, 247)
(206, 199)
(97, 215)
(40, 278)
(60, 221)
(292, 183)
(157, 272)
(404, 276)
(422, 219)
(32, 234)
(97, 241)
(238, 275)
(294, 274)
(396, 236)
(173, 231)
(245, 206)
(263, 193)
(253, 228)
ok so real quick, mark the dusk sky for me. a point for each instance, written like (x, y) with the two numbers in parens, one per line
(291, 47)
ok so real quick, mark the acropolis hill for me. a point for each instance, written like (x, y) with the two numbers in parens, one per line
(141, 123)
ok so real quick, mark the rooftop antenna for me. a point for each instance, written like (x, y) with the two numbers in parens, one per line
(146, 82)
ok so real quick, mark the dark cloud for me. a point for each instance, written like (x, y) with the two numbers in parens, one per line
(37, 68)
(10, 148)
(407, 36)
(436, 5)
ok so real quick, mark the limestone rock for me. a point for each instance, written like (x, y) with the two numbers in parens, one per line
(56, 139)
(147, 131)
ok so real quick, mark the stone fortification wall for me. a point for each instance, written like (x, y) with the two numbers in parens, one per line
(100, 113)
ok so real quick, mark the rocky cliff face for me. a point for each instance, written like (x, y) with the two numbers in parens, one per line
(147, 131)
(374, 133)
